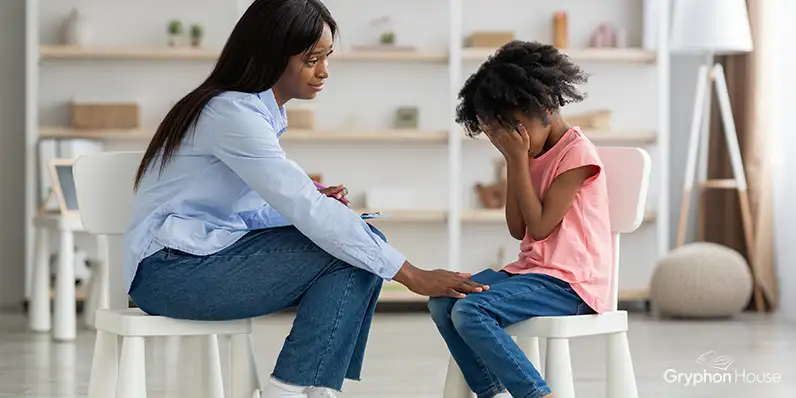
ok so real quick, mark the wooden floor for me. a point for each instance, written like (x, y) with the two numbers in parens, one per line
(406, 358)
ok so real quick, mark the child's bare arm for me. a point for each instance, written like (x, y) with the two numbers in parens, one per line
(541, 218)
(514, 219)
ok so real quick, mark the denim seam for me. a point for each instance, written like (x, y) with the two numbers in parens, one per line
(343, 301)
(513, 359)
(494, 387)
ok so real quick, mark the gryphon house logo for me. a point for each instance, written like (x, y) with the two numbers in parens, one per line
(716, 370)
(714, 360)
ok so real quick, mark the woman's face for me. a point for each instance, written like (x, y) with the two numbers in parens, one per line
(305, 73)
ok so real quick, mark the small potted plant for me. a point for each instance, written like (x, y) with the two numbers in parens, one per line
(197, 33)
(388, 38)
(175, 30)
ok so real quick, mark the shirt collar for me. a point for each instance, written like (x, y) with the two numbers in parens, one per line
(269, 100)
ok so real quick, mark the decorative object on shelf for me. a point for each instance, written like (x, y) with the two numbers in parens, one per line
(197, 34)
(393, 199)
(385, 38)
(492, 39)
(598, 120)
(493, 196)
(76, 30)
(301, 117)
(62, 185)
(407, 117)
(386, 31)
(104, 115)
(604, 37)
(175, 30)
(701, 280)
(621, 38)
(560, 30)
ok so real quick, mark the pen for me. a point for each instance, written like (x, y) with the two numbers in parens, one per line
(321, 186)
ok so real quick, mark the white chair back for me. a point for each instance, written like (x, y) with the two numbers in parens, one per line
(104, 185)
(627, 175)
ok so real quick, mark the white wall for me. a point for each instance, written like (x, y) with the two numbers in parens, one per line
(12, 149)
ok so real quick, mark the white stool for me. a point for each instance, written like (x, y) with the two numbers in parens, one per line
(65, 300)
(115, 376)
(105, 196)
(627, 174)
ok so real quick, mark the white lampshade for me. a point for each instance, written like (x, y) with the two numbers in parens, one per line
(711, 26)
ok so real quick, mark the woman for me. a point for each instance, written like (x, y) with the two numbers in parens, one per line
(226, 227)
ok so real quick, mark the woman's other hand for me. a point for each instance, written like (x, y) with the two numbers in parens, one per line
(338, 192)
(437, 283)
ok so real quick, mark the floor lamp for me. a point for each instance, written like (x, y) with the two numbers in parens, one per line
(709, 28)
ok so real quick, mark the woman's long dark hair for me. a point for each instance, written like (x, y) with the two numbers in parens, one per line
(254, 57)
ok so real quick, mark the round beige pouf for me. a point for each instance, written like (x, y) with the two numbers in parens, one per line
(701, 280)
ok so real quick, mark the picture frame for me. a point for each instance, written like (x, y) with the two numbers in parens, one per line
(63, 186)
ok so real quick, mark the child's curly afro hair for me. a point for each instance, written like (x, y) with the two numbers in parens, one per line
(529, 77)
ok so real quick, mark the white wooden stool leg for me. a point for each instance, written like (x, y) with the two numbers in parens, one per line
(39, 315)
(104, 366)
(173, 363)
(455, 384)
(132, 369)
(211, 379)
(98, 293)
(558, 368)
(621, 377)
(530, 346)
(65, 327)
(243, 369)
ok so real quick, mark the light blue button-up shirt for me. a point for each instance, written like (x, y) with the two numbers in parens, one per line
(231, 176)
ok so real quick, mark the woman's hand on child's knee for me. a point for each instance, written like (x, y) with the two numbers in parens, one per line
(438, 283)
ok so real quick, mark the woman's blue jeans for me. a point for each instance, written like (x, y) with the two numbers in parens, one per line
(265, 272)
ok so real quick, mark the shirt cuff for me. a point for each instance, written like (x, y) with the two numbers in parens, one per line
(393, 260)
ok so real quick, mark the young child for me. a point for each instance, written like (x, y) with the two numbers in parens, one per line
(557, 205)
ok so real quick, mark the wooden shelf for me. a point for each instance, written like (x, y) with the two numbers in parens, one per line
(126, 53)
(498, 216)
(47, 132)
(600, 137)
(394, 292)
(387, 55)
(631, 55)
(189, 53)
(394, 135)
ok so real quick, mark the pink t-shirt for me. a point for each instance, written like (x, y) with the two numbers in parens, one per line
(579, 250)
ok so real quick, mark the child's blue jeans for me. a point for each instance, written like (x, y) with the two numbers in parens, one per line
(472, 327)
(267, 271)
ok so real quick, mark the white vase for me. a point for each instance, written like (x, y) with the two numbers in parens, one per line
(77, 31)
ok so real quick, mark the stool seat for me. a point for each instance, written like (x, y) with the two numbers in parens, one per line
(565, 327)
(135, 322)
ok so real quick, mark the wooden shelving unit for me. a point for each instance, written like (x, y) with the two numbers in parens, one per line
(627, 55)
(601, 137)
(182, 53)
(452, 56)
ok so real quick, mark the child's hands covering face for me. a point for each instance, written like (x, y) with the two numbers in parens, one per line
(514, 145)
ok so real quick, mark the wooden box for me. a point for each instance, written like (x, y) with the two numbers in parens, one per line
(489, 39)
(105, 115)
(301, 118)
(599, 120)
